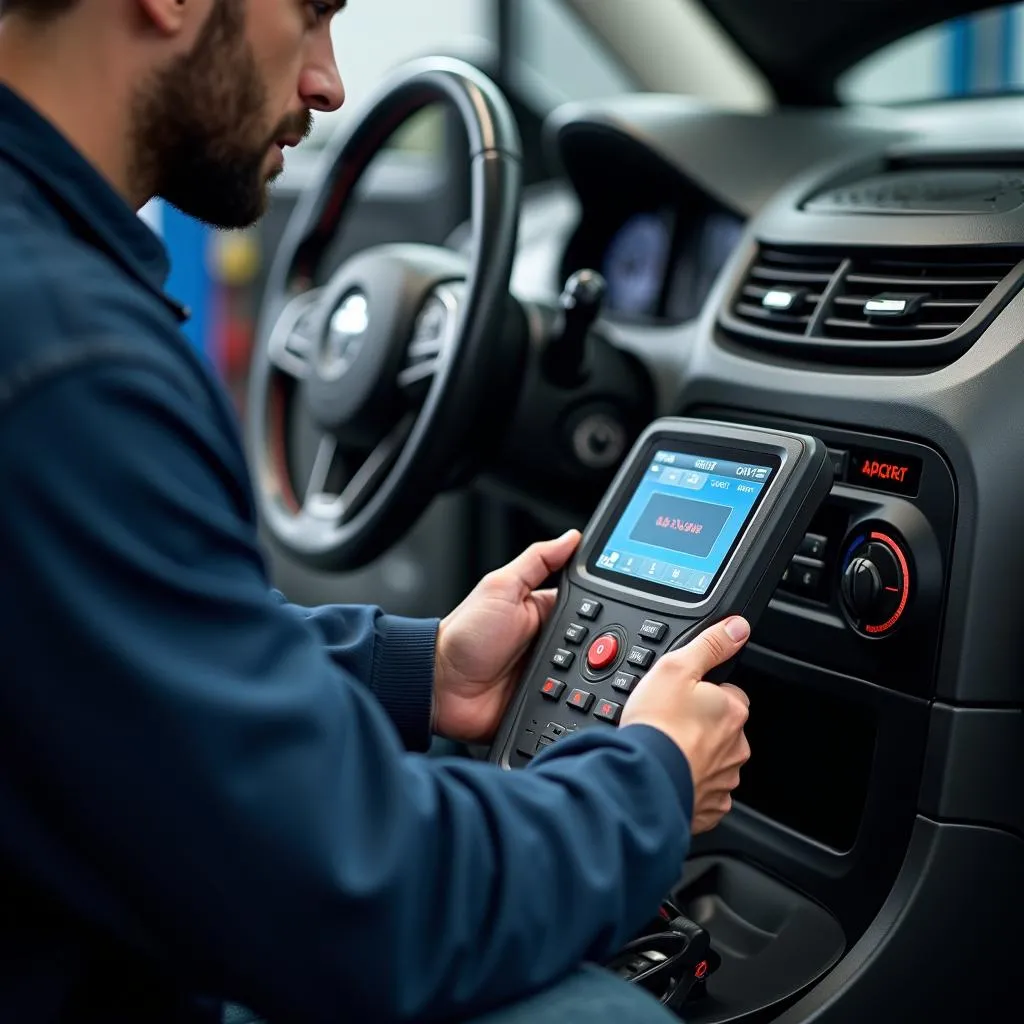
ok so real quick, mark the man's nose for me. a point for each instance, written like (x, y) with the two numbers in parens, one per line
(320, 87)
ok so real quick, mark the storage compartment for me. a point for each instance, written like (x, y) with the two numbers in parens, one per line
(774, 942)
(812, 757)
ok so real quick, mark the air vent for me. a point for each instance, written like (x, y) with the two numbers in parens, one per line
(903, 300)
(866, 307)
(784, 289)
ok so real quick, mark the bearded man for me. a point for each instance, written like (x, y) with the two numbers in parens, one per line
(209, 796)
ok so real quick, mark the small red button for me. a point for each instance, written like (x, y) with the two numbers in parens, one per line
(603, 651)
(553, 688)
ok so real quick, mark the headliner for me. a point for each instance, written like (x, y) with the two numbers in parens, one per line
(802, 46)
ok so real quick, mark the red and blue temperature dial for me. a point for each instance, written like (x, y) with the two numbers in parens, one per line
(876, 582)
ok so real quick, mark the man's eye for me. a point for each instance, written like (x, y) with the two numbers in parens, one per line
(321, 11)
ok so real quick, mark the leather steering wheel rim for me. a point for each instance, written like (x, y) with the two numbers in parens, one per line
(344, 534)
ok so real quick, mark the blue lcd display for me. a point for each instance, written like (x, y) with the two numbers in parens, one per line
(682, 521)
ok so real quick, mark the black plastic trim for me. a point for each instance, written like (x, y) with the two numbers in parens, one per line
(974, 767)
(774, 942)
(853, 883)
(946, 946)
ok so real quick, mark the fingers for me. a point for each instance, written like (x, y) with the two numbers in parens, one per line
(540, 560)
(544, 601)
(713, 647)
(712, 816)
(736, 692)
(743, 754)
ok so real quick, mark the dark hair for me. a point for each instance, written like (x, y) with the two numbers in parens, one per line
(36, 10)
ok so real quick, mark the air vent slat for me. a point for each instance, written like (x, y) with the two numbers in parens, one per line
(950, 304)
(756, 292)
(759, 313)
(882, 281)
(790, 276)
(882, 305)
(836, 323)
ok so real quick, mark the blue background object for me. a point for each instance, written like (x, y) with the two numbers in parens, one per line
(187, 242)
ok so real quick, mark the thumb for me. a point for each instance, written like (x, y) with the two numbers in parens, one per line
(540, 560)
(716, 645)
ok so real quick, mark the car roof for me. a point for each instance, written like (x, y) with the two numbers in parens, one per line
(802, 46)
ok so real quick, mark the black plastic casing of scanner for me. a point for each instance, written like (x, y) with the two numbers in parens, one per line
(747, 581)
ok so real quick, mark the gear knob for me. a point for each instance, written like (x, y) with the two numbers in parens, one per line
(581, 301)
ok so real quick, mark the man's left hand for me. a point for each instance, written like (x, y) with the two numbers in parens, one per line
(483, 645)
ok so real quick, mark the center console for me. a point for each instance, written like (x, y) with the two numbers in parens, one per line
(840, 671)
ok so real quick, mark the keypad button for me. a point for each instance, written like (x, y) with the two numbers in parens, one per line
(527, 745)
(553, 688)
(813, 546)
(640, 657)
(603, 652)
(804, 579)
(581, 700)
(562, 658)
(624, 682)
(576, 633)
(589, 609)
(608, 711)
(653, 630)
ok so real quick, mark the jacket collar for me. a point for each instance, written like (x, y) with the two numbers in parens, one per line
(88, 203)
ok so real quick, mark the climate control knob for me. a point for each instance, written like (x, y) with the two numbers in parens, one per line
(875, 582)
(863, 588)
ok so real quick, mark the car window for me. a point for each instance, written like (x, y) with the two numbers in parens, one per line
(980, 54)
(550, 56)
(554, 58)
(371, 39)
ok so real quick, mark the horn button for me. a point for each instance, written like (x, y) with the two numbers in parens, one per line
(363, 328)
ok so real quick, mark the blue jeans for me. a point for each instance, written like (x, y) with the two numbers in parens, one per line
(590, 996)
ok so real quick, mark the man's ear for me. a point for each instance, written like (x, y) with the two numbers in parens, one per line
(172, 17)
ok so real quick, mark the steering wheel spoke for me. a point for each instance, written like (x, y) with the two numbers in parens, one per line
(432, 338)
(324, 466)
(293, 338)
(323, 505)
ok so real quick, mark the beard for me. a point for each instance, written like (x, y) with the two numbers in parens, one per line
(201, 135)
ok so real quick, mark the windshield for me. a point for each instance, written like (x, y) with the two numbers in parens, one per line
(981, 54)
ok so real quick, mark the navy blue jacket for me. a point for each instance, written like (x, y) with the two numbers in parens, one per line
(206, 793)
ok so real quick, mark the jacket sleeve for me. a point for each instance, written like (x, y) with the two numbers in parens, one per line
(184, 764)
(393, 654)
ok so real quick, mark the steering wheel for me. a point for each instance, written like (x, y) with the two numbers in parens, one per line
(400, 359)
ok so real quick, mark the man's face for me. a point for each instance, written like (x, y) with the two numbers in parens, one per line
(210, 128)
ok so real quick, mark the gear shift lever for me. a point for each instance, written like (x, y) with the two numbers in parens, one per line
(581, 302)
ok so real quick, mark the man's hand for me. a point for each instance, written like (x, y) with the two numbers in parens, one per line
(482, 646)
(704, 720)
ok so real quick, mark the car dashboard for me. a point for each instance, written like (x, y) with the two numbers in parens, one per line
(855, 274)
(660, 256)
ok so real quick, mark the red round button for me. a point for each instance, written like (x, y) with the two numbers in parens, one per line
(603, 651)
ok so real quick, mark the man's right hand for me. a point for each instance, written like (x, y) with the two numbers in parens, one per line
(705, 720)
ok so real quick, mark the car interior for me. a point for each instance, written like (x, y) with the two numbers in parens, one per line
(447, 370)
